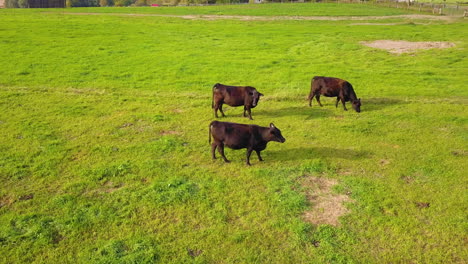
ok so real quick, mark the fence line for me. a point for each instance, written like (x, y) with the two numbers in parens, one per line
(449, 9)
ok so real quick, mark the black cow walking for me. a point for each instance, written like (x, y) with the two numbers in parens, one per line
(334, 87)
(239, 136)
(234, 96)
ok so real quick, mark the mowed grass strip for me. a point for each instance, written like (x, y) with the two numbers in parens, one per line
(105, 156)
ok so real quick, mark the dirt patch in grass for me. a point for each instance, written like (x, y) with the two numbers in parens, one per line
(169, 132)
(401, 46)
(326, 206)
(422, 205)
(460, 153)
(107, 187)
(6, 200)
(26, 197)
(375, 24)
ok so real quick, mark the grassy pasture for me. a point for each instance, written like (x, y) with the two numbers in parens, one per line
(104, 127)
(305, 9)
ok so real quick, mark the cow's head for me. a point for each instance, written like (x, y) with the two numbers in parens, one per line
(275, 134)
(357, 105)
(255, 96)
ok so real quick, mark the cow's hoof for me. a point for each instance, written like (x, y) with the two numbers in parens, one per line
(227, 161)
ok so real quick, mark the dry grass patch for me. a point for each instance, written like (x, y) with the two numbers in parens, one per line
(169, 132)
(6, 200)
(401, 46)
(326, 206)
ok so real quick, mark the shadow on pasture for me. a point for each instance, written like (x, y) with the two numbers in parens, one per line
(373, 104)
(305, 111)
(315, 152)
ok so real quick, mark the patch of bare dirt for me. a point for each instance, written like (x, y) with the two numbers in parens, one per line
(375, 24)
(422, 205)
(6, 200)
(26, 197)
(126, 125)
(107, 187)
(326, 206)
(194, 252)
(460, 153)
(401, 46)
(384, 162)
(169, 132)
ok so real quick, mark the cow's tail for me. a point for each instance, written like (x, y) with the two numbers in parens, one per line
(212, 95)
(209, 132)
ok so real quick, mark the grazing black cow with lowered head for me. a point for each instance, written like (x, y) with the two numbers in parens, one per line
(238, 136)
(334, 87)
(234, 96)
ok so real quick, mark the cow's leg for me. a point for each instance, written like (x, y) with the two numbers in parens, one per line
(221, 151)
(311, 96)
(337, 101)
(258, 154)
(249, 152)
(245, 108)
(215, 108)
(344, 106)
(221, 109)
(213, 149)
(250, 113)
(317, 96)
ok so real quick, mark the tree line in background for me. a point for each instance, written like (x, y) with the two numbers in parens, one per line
(97, 3)
(85, 3)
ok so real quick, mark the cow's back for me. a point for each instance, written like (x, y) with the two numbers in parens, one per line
(328, 86)
(233, 135)
(235, 95)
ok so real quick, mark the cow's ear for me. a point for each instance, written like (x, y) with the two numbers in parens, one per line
(260, 94)
(272, 126)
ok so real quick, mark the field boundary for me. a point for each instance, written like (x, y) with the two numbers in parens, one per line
(271, 18)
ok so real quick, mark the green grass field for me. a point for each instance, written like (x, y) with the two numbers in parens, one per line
(104, 154)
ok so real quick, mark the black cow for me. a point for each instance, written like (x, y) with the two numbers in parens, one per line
(239, 136)
(334, 87)
(234, 96)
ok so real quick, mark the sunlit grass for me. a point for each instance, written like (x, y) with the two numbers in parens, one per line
(104, 154)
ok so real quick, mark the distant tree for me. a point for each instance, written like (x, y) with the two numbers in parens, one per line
(123, 2)
(23, 3)
(106, 2)
(11, 3)
(141, 3)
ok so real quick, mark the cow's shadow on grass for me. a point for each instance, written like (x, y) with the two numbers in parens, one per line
(295, 111)
(375, 104)
(315, 152)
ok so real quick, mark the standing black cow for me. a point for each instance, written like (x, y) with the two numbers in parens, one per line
(238, 136)
(334, 87)
(234, 96)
